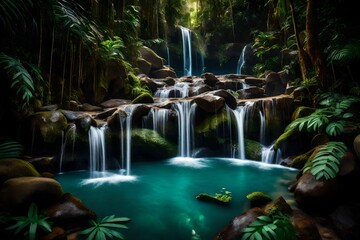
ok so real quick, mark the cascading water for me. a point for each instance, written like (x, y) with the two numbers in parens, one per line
(69, 135)
(97, 148)
(239, 114)
(186, 43)
(160, 119)
(168, 55)
(186, 113)
(179, 90)
(241, 60)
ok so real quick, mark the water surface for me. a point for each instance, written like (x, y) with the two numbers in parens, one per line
(160, 196)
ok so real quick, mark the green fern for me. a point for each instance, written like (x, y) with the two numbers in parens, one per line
(331, 118)
(20, 78)
(326, 162)
(31, 223)
(272, 227)
(105, 228)
(10, 149)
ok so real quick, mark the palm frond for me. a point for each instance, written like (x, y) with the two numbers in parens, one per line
(20, 78)
(10, 149)
(349, 52)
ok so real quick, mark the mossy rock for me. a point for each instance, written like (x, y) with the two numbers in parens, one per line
(283, 137)
(149, 144)
(300, 160)
(13, 167)
(258, 199)
(278, 205)
(218, 198)
(211, 123)
(302, 111)
(253, 150)
(143, 98)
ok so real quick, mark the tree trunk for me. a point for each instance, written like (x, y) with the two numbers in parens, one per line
(313, 46)
(304, 61)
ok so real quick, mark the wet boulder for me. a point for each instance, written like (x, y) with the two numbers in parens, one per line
(16, 194)
(69, 212)
(12, 168)
(150, 56)
(274, 85)
(209, 102)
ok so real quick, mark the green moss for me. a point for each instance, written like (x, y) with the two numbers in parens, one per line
(13, 167)
(302, 111)
(149, 144)
(143, 98)
(253, 150)
(283, 137)
(259, 196)
(134, 87)
(300, 160)
(223, 197)
(211, 123)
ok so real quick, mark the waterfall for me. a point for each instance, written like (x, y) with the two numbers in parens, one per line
(168, 55)
(269, 155)
(243, 115)
(186, 113)
(186, 43)
(241, 60)
(97, 148)
(262, 127)
(160, 118)
(127, 156)
(69, 134)
(179, 90)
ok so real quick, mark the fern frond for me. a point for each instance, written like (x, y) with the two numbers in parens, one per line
(326, 162)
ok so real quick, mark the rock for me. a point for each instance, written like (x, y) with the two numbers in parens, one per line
(251, 92)
(154, 85)
(210, 79)
(253, 150)
(169, 81)
(234, 229)
(197, 90)
(114, 120)
(107, 113)
(348, 164)
(302, 112)
(44, 130)
(209, 103)
(305, 226)
(233, 85)
(218, 198)
(253, 81)
(13, 168)
(152, 145)
(16, 194)
(258, 199)
(70, 212)
(144, 66)
(150, 56)
(356, 145)
(274, 85)
(43, 164)
(143, 98)
(72, 105)
(90, 108)
(84, 122)
(230, 100)
(114, 103)
(163, 73)
(346, 219)
(276, 206)
(317, 195)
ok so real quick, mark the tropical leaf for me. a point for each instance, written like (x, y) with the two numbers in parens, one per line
(105, 228)
(31, 222)
(10, 149)
(277, 226)
(326, 162)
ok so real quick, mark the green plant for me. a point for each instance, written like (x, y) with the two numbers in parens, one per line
(331, 118)
(327, 160)
(31, 222)
(102, 229)
(10, 149)
(20, 78)
(272, 227)
(111, 49)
